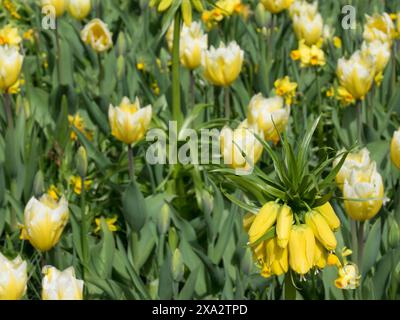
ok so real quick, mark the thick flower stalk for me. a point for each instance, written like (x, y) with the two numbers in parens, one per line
(13, 278)
(44, 221)
(61, 285)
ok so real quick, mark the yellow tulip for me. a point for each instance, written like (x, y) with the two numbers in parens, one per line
(380, 51)
(329, 215)
(270, 115)
(234, 143)
(320, 256)
(58, 5)
(321, 229)
(79, 9)
(193, 44)
(44, 221)
(10, 66)
(395, 149)
(13, 278)
(359, 160)
(301, 249)
(264, 220)
(61, 285)
(284, 225)
(363, 193)
(349, 277)
(308, 27)
(302, 7)
(276, 259)
(9, 36)
(129, 122)
(356, 74)
(379, 27)
(223, 65)
(276, 6)
(97, 35)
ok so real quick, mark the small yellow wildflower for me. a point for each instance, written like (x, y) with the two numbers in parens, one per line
(29, 35)
(110, 224)
(76, 182)
(78, 122)
(295, 55)
(54, 192)
(337, 42)
(286, 89)
(349, 277)
(344, 96)
(141, 66)
(330, 92)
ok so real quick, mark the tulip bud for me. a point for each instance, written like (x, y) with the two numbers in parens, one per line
(44, 221)
(81, 161)
(121, 44)
(321, 229)
(120, 66)
(13, 279)
(223, 65)
(395, 148)
(177, 267)
(264, 220)
(329, 215)
(173, 238)
(61, 285)
(301, 248)
(58, 5)
(394, 234)
(10, 66)
(38, 184)
(262, 16)
(269, 115)
(153, 289)
(129, 122)
(79, 9)
(163, 221)
(284, 225)
(97, 35)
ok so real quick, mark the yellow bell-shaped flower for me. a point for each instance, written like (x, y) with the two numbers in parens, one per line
(13, 278)
(61, 285)
(320, 256)
(129, 123)
(58, 5)
(44, 221)
(264, 220)
(276, 6)
(223, 65)
(395, 149)
(379, 27)
(356, 74)
(329, 215)
(228, 7)
(284, 225)
(276, 259)
(10, 66)
(363, 193)
(240, 148)
(308, 27)
(193, 44)
(321, 229)
(79, 9)
(97, 35)
(359, 160)
(271, 115)
(301, 249)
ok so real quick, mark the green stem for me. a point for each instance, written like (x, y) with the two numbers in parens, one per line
(176, 94)
(101, 71)
(131, 163)
(84, 229)
(58, 59)
(227, 103)
(359, 122)
(360, 244)
(192, 84)
(8, 110)
(354, 239)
